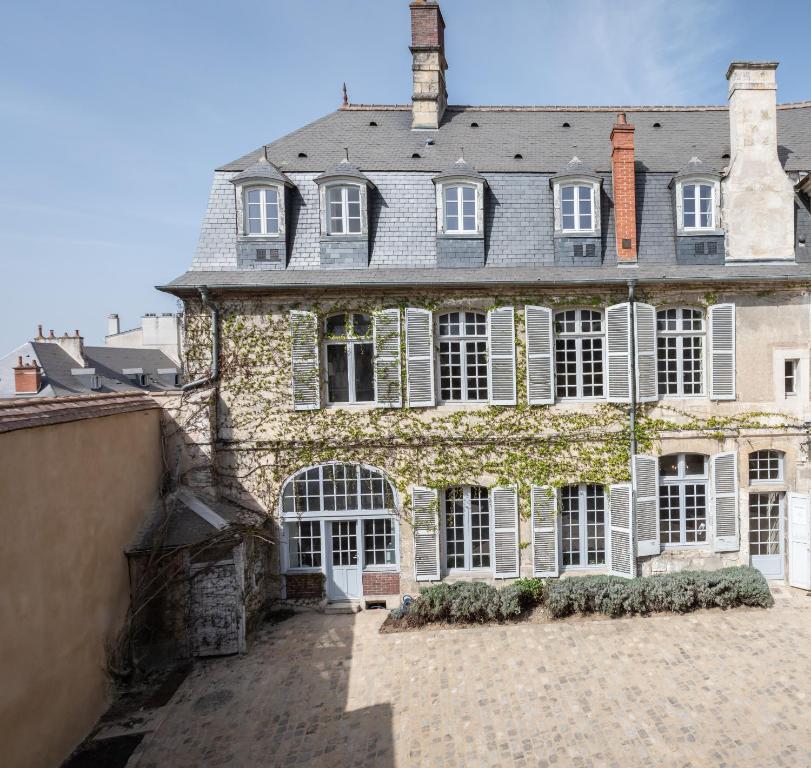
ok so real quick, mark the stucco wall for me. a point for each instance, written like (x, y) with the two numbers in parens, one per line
(71, 495)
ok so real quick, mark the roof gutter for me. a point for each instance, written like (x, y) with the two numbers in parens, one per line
(215, 344)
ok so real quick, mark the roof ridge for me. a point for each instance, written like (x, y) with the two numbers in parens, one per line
(564, 108)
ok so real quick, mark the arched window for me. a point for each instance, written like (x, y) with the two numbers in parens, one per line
(344, 212)
(765, 466)
(467, 528)
(680, 355)
(683, 479)
(262, 211)
(337, 488)
(459, 205)
(577, 207)
(463, 356)
(579, 353)
(582, 525)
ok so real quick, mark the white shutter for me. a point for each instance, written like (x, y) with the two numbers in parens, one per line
(540, 358)
(725, 501)
(645, 328)
(621, 525)
(426, 533)
(419, 357)
(501, 357)
(722, 351)
(618, 352)
(388, 385)
(504, 512)
(545, 531)
(306, 375)
(646, 490)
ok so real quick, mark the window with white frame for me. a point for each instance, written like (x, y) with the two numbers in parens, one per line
(577, 207)
(764, 523)
(378, 542)
(262, 211)
(582, 525)
(790, 374)
(698, 211)
(680, 351)
(579, 353)
(337, 488)
(463, 356)
(350, 358)
(467, 528)
(765, 466)
(683, 497)
(344, 210)
(304, 544)
(459, 208)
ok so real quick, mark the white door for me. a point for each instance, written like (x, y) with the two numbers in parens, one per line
(766, 533)
(799, 540)
(343, 573)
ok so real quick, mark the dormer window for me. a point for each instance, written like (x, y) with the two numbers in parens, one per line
(577, 208)
(460, 209)
(697, 206)
(344, 215)
(576, 200)
(262, 211)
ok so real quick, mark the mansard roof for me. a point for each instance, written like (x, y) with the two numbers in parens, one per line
(380, 138)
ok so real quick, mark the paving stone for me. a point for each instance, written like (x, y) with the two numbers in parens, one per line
(711, 688)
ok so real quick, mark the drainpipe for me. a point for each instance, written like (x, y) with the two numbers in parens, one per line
(215, 344)
(632, 409)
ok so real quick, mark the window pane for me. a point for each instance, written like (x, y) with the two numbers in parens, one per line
(336, 325)
(361, 325)
(337, 373)
(689, 219)
(364, 373)
(353, 195)
(454, 528)
(468, 194)
(694, 464)
(669, 465)
(567, 194)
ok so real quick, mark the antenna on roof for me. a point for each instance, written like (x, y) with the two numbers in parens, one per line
(346, 96)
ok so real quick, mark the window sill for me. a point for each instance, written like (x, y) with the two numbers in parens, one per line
(302, 571)
(246, 238)
(363, 406)
(700, 232)
(577, 233)
(382, 569)
(464, 575)
(460, 236)
(353, 238)
(677, 547)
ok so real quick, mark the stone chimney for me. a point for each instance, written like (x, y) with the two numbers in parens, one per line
(73, 345)
(428, 52)
(113, 325)
(27, 377)
(623, 177)
(757, 198)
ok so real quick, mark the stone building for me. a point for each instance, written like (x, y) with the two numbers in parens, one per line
(456, 342)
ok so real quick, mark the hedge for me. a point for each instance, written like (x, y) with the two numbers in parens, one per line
(477, 602)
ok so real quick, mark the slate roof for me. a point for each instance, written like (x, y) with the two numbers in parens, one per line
(460, 169)
(344, 169)
(108, 362)
(492, 276)
(261, 169)
(537, 133)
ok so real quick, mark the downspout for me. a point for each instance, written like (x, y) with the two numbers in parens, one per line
(632, 409)
(215, 345)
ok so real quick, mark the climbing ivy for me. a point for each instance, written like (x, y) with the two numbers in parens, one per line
(260, 440)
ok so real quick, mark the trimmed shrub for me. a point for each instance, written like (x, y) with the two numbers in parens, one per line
(677, 592)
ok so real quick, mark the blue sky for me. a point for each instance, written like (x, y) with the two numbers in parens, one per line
(113, 114)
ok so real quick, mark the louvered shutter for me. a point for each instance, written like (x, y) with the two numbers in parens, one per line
(618, 352)
(306, 384)
(725, 501)
(621, 524)
(544, 531)
(645, 327)
(426, 534)
(388, 384)
(646, 488)
(540, 359)
(722, 352)
(504, 503)
(501, 358)
(419, 357)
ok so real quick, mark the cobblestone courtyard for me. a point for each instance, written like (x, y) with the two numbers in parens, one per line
(706, 689)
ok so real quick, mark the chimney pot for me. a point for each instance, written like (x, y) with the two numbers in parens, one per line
(51, 334)
(39, 331)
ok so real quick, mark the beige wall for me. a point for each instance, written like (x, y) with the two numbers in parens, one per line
(71, 497)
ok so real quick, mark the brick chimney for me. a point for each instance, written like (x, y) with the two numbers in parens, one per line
(27, 377)
(757, 197)
(623, 178)
(428, 56)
